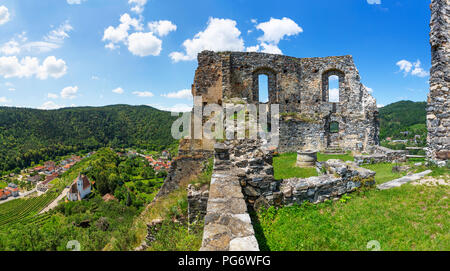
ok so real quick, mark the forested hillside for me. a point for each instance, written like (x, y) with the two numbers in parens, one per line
(32, 135)
(403, 116)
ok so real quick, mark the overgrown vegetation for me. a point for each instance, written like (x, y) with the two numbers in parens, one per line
(405, 218)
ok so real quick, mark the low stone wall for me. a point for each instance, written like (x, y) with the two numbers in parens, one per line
(381, 154)
(228, 225)
(340, 178)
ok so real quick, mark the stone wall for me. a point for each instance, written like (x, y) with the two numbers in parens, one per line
(228, 225)
(381, 154)
(438, 111)
(340, 178)
(300, 87)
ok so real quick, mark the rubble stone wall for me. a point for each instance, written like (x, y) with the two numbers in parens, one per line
(438, 110)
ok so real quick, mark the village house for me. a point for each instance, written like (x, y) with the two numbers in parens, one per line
(34, 179)
(13, 189)
(80, 188)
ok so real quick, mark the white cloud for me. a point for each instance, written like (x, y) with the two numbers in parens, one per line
(418, 70)
(59, 34)
(162, 28)
(270, 48)
(372, 2)
(11, 47)
(120, 34)
(414, 69)
(276, 30)
(380, 105)
(143, 93)
(144, 44)
(69, 92)
(3, 100)
(50, 105)
(29, 66)
(334, 95)
(52, 95)
(118, 90)
(219, 35)
(138, 5)
(94, 77)
(75, 2)
(182, 94)
(53, 40)
(370, 90)
(53, 67)
(175, 108)
(4, 15)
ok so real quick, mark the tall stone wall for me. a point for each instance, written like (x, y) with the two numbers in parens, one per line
(300, 87)
(438, 116)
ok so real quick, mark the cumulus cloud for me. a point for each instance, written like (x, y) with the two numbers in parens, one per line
(380, 105)
(29, 66)
(118, 90)
(144, 44)
(143, 93)
(219, 35)
(182, 94)
(374, 2)
(69, 92)
(4, 15)
(59, 34)
(120, 33)
(275, 30)
(138, 5)
(162, 28)
(414, 69)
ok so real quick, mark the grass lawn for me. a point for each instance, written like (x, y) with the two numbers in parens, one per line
(384, 172)
(284, 167)
(405, 218)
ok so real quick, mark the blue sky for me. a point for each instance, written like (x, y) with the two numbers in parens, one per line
(57, 53)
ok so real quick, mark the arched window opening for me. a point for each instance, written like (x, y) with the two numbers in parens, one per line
(333, 89)
(263, 88)
(334, 127)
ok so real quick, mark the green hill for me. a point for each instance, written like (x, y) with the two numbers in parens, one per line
(32, 135)
(403, 116)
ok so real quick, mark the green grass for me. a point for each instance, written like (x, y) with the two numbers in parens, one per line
(284, 167)
(384, 172)
(324, 157)
(405, 218)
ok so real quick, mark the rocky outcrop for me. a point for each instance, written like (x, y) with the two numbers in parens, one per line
(438, 110)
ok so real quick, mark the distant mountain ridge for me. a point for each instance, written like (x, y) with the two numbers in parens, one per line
(403, 116)
(30, 135)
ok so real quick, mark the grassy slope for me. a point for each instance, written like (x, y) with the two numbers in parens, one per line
(405, 218)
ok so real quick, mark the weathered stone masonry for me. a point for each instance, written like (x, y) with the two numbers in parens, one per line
(438, 117)
(300, 87)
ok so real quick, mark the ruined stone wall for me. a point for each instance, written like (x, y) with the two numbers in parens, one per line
(300, 87)
(438, 116)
